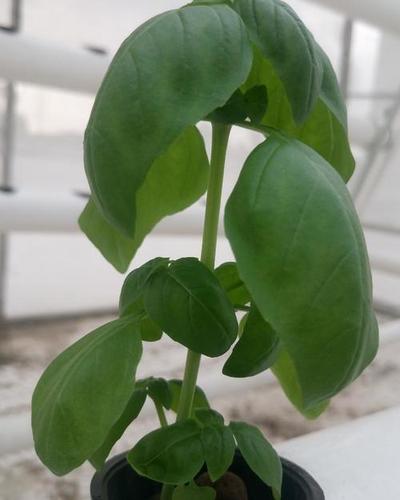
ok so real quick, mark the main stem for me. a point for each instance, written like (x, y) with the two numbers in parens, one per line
(220, 138)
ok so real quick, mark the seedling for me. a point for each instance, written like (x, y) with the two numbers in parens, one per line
(301, 273)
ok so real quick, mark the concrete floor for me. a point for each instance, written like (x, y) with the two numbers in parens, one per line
(27, 348)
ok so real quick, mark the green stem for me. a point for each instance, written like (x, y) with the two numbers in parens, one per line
(161, 414)
(220, 138)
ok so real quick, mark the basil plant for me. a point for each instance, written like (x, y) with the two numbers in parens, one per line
(301, 273)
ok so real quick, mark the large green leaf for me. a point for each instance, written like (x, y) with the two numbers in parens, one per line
(256, 350)
(301, 252)
(131, 412)
(286, 373)
(169, 74)
(171, 455)
(284, 40)
(175, 181)
(188, 303)
(325, 129)
(259, 455)
(82, 394)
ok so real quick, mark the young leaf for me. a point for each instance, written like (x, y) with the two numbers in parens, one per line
(233, 285)
(162, 79)
(193, 492)
(256, 350)
(158, 390)
(149, 331)
(131, 412)
(284, 40)
(131, 298)
(251, 104)
(286, 373)
(325, 130)
(218, 443)
(199, 400)
(301, 252)
(175, 181)
(188, 304)
(82, 394)
(259, 455)
(170, 455)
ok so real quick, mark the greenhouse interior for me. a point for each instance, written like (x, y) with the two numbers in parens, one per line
(264, 311)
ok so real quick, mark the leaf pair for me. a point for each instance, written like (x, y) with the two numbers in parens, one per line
(186, 301)
(143, 157)
(176, 454)
(300, 251)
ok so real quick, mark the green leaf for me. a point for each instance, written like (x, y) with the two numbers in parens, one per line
(162, 79)
(301, 252)
(286, 373)
(256, 350)
(149, 331)
(208, 417)
(158, 390)
(170, 455)
(188, 304)
(193, 492)
(284, 40)
(233, 285)
(131, 298)
(175, 181)
(259, 455)
(218, 442)
(325, 130)
(83, 393)
(251, 104)
(199, 400)
(131, 412)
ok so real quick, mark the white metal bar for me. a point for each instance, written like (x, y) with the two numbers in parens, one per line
(41, 211)
(384, 14)
(27, 59)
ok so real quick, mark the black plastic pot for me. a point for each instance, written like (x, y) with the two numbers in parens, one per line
(118, 481)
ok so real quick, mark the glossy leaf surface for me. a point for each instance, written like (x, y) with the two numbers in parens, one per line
(188, 303)
(256, 350)
(169, 455)
(131, 412)
(301, 252)
(162, 79)
(175, 181)
(284, 40)
(82, 394)
(259, 455)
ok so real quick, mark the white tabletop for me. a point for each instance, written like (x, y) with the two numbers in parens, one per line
(356, 461)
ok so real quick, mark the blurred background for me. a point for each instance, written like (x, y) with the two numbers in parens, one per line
(54, 286)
